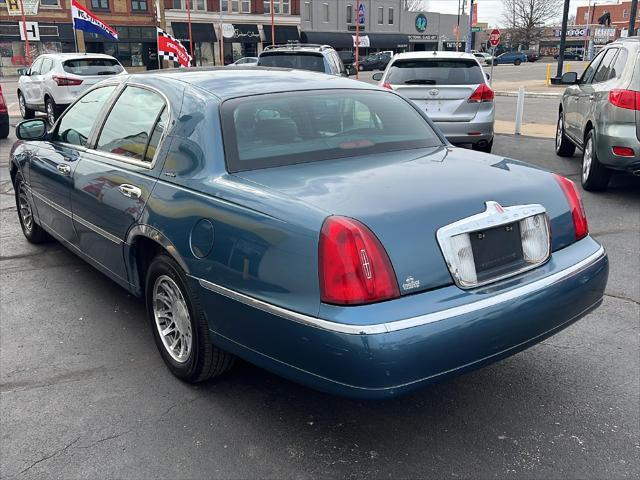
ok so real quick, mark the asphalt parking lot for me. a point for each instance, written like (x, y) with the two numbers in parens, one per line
(84, 393)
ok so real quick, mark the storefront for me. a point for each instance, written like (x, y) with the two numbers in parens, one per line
(423, 42)
(136, 48)
(203, 37)
(240, 40)
(284, 34)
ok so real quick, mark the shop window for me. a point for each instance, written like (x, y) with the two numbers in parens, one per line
(280, 7)
(139, 5)
(380, 15)
(390, 16)
(307, 11)
(99, 4)
(325, 8)
(235, 6)
(349, 13)
(199, 5)
(46, 3)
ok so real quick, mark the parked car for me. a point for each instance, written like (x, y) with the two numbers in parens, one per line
(246, 62)
(532, 55)
(375, 61)
(319, 227)
(4, 116)
(509, 57)
(55, 80)
(451, 88)
(569, 55)
(317, 58)
(600, 114)
(483, 58)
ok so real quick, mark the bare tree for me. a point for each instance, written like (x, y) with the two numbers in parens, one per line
(526, 18)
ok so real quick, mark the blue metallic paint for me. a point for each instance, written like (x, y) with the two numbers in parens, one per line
(266, 225)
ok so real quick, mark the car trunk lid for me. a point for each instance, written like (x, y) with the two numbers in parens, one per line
(444, 103)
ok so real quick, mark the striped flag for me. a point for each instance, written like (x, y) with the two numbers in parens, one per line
(86, 21)
(171, 49)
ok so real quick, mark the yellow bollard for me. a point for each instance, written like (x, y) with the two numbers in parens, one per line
(548, 74)
(568, 67)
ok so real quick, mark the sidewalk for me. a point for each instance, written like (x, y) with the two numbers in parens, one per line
(533, 88)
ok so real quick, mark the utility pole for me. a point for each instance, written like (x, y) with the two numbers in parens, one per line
(632, 20)
(563, 41)
(468, 45)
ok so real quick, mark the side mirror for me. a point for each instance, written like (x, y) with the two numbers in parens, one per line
(569, 78)
(35, 129)
(22, 71)
(377, 76)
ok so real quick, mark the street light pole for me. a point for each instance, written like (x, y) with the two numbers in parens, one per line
(563, 40)
(632, 20)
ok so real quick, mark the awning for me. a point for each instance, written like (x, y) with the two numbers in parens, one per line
(335, 39)
(201, 32)
(388, 40)
(284, 33)
(244, 33)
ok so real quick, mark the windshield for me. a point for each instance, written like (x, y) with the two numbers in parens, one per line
(285, 129)
(299, 60)
(435, 72)
(92, 66)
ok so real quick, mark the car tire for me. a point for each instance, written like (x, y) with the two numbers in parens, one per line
(484, 148)
(33, 232)
(517, 62)
(595, 176)
(170, 301)
(25, 111)
(361, 68)
(564, 146)
(4, 130)
(52, 110)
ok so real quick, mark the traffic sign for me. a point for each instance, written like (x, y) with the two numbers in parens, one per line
(494, 37)
(361, 11)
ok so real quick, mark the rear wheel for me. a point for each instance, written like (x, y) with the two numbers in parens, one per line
(564, 146)
(595, 176)
(179, 326)
(53, 111)
(517, 62)
(31, 230)
(25, 111)
(361, 68)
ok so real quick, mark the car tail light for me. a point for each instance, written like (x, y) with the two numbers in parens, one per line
(3, 105)
(387, 85)
(575, 203)
(482, 94)
(353, 266)
(66, 81)
(623, 151)
(629, 99)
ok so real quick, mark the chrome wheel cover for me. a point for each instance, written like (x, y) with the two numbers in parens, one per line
(51, 114)
(172, 318)
(559, 133)
(587, 159)
(23, 105)
(24, 209)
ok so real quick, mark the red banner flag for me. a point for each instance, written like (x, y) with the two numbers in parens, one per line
(171, 49)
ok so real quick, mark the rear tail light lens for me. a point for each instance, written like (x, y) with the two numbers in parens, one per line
(623, 151)
(575, 204)
(353, 266)
(3, 105)
(66, 81)
(387, 85)
(482, 94)
(534, 232)
(629, 99)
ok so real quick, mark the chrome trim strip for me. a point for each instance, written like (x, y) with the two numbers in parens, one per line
(52, 204)
(394, 326)
(147, 231)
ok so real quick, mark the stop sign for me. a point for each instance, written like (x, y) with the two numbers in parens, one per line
(494, 37)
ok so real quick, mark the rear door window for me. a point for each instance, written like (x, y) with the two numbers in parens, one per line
(435, 72)
(602, 73)
(92, 66)
(617, 67)
(299, 60)
(588, 73)
(130, 126)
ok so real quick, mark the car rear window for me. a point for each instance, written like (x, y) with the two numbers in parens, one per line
(92, 66)
(299, 60)
(285, 129)
(435, 72)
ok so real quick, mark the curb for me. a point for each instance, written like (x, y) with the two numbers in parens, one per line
(504, 93)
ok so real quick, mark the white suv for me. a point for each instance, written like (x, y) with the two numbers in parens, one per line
(54, 81)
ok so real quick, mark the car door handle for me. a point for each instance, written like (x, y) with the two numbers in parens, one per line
(64, 169)
(130, 191)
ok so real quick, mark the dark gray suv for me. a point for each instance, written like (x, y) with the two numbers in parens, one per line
(302, 56)
(600, 114)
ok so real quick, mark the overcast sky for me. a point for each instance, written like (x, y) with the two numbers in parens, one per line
(491, 10)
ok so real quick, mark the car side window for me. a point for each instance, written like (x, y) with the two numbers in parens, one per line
(587, 75)
(47, 65)
(617, 67)
(129, 127)
(76, 124)
(35, 67)
(602, 73)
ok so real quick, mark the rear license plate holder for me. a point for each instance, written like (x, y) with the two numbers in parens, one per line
(497, 250)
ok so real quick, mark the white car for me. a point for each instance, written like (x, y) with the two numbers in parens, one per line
(54, 81)
(246, 62)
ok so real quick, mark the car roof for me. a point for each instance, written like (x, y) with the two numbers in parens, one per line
(297, 47)
(435, 54)
(238, 81)
(75, 56)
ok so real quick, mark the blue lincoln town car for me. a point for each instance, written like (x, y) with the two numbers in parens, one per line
(319, 227)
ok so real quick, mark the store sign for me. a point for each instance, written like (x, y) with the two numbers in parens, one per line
(361, 13)
(228, 31)
(421, 22)
(572, 32)
(352, 28)
(423, 38)
(32, 31)
(453, 45)
(30, 7)
(364, 41)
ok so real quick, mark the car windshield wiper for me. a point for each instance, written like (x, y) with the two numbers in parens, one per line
(420, 81)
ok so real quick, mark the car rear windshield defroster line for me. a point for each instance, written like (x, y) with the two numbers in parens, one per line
(297, 127)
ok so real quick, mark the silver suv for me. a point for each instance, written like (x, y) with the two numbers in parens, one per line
(600, 114)
(303, 56)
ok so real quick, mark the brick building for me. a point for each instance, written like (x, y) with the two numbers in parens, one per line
(620, 14)
(133, 19)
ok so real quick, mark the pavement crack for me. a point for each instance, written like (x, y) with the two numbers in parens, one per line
(622, 297)
(105, 439)
(47, 457)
